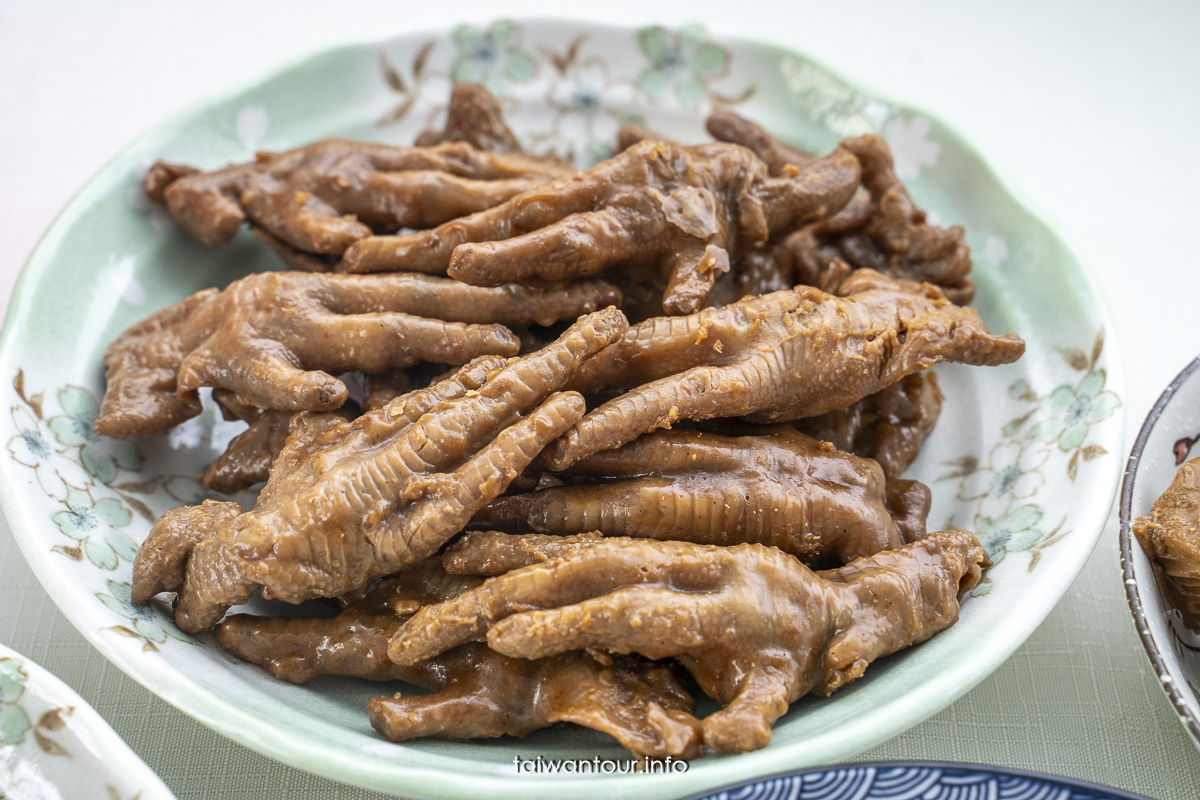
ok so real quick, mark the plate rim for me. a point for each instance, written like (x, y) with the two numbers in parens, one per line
(250, 731)
(1137, 610)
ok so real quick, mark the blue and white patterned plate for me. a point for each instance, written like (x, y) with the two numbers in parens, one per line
(914, 781)
(1024, 454)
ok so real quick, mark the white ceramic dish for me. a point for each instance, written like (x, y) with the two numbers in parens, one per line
(54, 746)
(1023, 455)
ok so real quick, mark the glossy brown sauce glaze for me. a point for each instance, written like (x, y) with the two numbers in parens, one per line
(754, 627)
(475, 692)
(777, 487)
(351, 501)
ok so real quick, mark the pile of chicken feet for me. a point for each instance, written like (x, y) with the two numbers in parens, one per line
(683, 387)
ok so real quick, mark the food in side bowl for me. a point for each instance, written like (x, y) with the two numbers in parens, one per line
(1170, 537)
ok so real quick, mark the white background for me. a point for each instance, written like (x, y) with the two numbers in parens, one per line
(1090, 109)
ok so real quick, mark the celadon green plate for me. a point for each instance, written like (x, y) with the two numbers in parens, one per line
(1024, 455)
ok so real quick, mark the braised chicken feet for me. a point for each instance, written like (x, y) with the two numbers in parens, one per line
(771, 485)
(477, 692)
(780, 158)
(755, 627)
(348, 502)
(323, 197)
(888, 426)
(685, 209)
(775, 358)
(883, 231)
(277, 339)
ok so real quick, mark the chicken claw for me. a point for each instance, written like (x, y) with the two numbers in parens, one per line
(276, 339)
(755, 627)
(475, 117)
(884, 231)
(348, 502)
(323, 197)
(726, 126)
(477, 692)
(685, 209)
(1170, 537)
(888, 426)
(772, 486)
(774, 358)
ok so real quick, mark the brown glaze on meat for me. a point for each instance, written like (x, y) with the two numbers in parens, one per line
(276, 339)
(162, 559)
(406, 591)
(386, 387)
(885, 232)
(908, 502)
(474, 117)
(777, 487)
(495, 553)
(781, 159)
(765, 268)
(755, 627)
(629, 135)
(323, 197)
(1170, 537)
(775, 358)
(888, 426)
(477, 692)
(248, 458)
(293, 257)
(480, 693)
(684, 210)
(348, 502)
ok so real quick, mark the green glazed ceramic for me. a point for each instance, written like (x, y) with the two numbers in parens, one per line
(1024, 455)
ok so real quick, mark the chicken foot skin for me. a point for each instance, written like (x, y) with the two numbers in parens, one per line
(780, 158)
(687, 210)
(775, 358)
(882, 230)
(276, 339)
(796, 631)
(477, 692)
(348, 502)
(774, 486)
(323, 197)
(888, 426)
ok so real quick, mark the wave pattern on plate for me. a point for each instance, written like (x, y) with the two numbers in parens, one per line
(910, 783)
